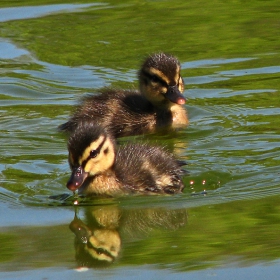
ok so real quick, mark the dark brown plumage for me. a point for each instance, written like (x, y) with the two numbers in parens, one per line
(123, 112)
(99, 168)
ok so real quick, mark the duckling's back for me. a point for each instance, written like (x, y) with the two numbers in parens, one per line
(120, 112)
(148, 169)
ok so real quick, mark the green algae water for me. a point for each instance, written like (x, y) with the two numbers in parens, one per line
(226, 222)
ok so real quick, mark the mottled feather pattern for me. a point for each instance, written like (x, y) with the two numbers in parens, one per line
(112, 109)
(158, 168)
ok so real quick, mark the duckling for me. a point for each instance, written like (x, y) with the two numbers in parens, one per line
(100, 168)
(96, 243)
(125, 112)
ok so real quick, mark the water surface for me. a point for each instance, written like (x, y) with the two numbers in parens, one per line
(227, 220)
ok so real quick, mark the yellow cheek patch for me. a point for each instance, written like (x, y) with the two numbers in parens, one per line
(181, 85)
(103, 161)
(92, 166)
(177, 75)
(93, 146)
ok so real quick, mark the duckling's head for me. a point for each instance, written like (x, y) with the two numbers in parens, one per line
(160, 80)
(91, 152)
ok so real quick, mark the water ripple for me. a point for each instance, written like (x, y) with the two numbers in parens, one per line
(16, 13)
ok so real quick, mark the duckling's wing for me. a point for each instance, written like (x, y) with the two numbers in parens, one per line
(148, 169)
(91, 107)
(121, 112)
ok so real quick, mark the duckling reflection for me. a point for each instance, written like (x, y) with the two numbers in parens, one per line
(157, 105)
(98, 240)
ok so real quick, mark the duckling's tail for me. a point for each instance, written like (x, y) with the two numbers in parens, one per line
(65, 127)
(183, 163)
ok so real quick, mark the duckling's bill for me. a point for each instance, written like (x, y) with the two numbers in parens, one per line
(77, 178)
(175, 96)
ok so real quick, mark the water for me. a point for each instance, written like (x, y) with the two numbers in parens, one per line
(227, 220)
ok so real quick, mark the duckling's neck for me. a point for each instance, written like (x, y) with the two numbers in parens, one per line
(179, 115)
(173, 114)
(105, 184)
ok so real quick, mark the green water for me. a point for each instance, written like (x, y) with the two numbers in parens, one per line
(226, 222)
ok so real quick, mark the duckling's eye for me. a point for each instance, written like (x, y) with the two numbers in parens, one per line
(155, 79)
(93, 153)
(100, 251)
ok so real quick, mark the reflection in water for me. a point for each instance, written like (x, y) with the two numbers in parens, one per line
(98, 239)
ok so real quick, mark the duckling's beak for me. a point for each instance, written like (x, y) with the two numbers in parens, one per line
(175, 96)
(77, 178)
(81, 231)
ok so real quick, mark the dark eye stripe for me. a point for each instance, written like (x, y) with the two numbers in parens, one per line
(154, 78)
(96, 150)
